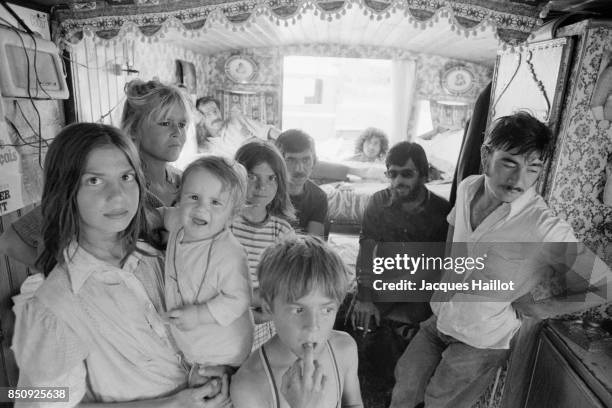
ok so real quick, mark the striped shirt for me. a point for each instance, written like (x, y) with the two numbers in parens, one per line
(256, 237)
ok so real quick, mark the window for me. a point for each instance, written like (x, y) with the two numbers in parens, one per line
(335, 99)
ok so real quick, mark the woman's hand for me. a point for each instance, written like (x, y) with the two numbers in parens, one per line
(201, 374)
(185, 318)
(303, 383)
(213, 394)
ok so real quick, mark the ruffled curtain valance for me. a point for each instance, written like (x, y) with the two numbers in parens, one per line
(113, 19)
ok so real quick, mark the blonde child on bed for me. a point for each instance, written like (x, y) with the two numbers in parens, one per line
(208, 289)
(306, 364)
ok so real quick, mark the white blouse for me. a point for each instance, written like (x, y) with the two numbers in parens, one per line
(98, 330)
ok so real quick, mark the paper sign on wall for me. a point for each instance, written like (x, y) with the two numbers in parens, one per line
(11, 198)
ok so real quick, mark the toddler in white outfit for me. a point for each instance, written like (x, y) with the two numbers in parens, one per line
(208, 289)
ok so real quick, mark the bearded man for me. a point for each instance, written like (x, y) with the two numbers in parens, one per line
(405, 212)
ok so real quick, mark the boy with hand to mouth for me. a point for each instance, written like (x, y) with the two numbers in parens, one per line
(306, 364)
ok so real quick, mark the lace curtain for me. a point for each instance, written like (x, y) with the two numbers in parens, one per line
(403, 78)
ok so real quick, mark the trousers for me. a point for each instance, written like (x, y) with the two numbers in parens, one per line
(442, 371)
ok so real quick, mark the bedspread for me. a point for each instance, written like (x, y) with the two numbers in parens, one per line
(347, 201)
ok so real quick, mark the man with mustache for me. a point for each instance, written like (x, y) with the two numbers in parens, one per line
(220, 136)
(457, 351)
(310, 202)
(406, 211)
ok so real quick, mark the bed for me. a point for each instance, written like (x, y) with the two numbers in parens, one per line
(347, 201)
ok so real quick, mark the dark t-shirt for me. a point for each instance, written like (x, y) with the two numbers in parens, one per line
(311, 205)
(385, 221)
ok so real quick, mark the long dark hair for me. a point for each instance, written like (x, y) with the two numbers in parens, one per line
(64, 166)
(256, 152)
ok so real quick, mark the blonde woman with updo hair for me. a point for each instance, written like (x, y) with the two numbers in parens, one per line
(156, 116)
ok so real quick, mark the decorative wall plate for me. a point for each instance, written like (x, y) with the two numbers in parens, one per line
(241, 68)
(457, 80)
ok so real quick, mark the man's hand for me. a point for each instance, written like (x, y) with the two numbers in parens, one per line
(303, 383)
(361, 315)
(185, 318)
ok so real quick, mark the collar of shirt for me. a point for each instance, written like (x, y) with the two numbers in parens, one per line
(173, 178)
(507, 209)
(81, 265)
(181, 234)
(391, 203)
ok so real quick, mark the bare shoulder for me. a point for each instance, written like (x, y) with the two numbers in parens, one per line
(345, 349)
(249, 385)
(344, 346)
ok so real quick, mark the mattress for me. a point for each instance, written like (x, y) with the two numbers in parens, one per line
(347, 201)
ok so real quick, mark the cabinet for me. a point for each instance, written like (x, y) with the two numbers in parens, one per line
(567, 376)
(261, 106)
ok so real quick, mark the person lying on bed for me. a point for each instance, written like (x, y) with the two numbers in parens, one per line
(371, 146)
(223, 136)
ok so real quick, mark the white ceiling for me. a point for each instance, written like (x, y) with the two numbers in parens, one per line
(353, 28)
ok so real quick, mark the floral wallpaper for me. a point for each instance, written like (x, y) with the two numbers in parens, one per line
(430, 69)
(269, 61)
(578, 171)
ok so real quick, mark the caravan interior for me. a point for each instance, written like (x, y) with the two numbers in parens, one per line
(414, 69)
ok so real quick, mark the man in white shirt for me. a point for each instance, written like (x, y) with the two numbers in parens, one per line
(457, 352)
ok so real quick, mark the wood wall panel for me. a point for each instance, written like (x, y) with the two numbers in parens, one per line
(12, 274)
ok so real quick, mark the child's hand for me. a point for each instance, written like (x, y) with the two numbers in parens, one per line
(259, 314)
(185, 318)
(303, 383)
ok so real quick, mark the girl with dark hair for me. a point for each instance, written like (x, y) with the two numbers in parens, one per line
(94, 325)
(265, 219)
(155, 116)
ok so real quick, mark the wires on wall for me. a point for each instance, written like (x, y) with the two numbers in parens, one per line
(39, 86)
